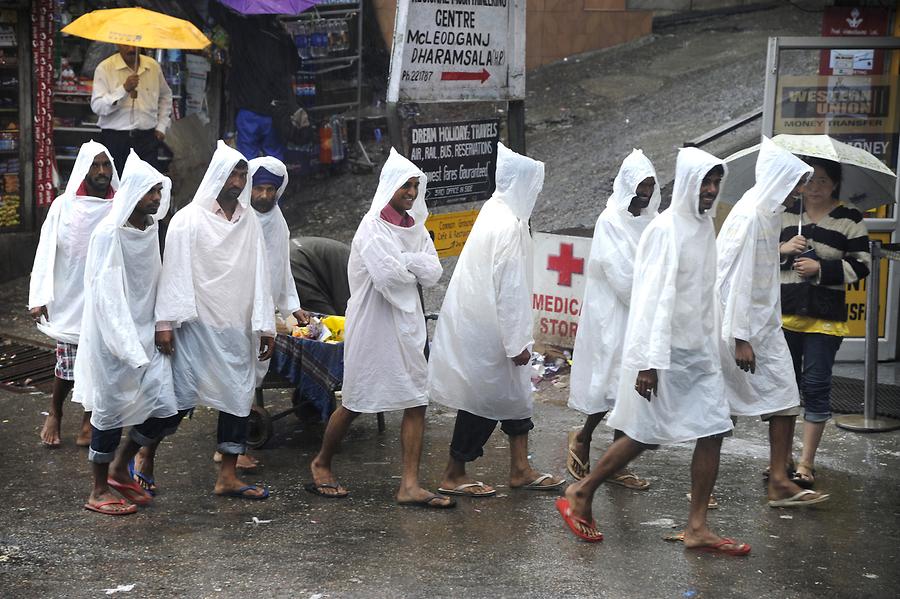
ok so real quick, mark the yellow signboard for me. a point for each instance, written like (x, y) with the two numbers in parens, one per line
(450, 230)
(856, 296)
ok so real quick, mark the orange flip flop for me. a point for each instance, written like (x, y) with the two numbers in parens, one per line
(737, 550)
(131, 491)
(99, 507)
(565, 510)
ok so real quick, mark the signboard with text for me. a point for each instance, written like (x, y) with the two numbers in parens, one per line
(450, 230)
(846, 21)
(460, 159)
(560, 270)
(452, 50)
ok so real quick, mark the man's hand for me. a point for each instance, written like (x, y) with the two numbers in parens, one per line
(302, 317)
(159, 135)
(523, 358)
(266, 347)
(131, 84)
(793, 246)
(37, 312)
(806, 267)
(165, 342)
(646, 382)
(744, 356)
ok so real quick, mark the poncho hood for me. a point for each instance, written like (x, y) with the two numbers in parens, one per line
(274, 166)
(83, 162)
(519, 180)
(635, 168)
(690, 168)
(224, 159)
(137, 179)
(395, 172)
(777, 172)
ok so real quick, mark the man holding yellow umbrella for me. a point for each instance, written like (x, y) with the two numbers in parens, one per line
(130, 94)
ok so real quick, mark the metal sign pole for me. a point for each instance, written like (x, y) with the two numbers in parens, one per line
(869, 422)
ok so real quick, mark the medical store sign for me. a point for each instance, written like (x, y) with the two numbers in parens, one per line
(560, 270)
(458, 50)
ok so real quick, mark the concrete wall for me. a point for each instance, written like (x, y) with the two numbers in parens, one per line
(560, 28)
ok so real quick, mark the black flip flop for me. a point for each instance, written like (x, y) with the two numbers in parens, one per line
(316, 489)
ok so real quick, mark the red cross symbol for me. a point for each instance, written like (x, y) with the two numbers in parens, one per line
(565, 264)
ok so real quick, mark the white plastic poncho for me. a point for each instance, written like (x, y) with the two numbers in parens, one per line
(384, 339)
(276, 239)
(749, 290)
(120, 376)
(597, 357)
(215, 288)
(486, 318)
(57, 277)
(672, 324)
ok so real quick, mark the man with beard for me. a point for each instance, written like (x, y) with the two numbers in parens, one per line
(670, 356)
(215, 313)
(121, 378)
(597, 356)
(56, 293)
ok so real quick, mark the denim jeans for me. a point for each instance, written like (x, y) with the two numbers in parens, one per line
(232, 433)
(813, 355)
(256, 135)
(471, 432)
(104, 443)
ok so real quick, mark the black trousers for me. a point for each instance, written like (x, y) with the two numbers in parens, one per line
(119, 143)
(471, 432)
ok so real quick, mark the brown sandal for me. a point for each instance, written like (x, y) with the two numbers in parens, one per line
(574, 465)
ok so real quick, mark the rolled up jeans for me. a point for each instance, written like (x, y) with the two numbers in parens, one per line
(104, 443)
(813, 355)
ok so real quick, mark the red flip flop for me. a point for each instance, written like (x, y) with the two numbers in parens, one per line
(131, 491)
(99, 508)
(565, 510)
(737, 550)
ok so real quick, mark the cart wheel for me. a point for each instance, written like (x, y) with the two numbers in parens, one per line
(259, 428)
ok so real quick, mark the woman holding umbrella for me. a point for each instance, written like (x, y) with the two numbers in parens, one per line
(824, 247)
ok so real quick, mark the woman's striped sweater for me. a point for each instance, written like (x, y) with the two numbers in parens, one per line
(841, 242)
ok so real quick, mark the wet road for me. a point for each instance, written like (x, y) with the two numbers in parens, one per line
(190, 543)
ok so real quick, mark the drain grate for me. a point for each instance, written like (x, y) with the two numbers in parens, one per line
(25, 366)
(847, 397)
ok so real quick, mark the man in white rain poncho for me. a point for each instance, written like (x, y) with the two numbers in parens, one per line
(482, 344)
(215, 292)
(269, 180)
(596, 359)
(384, 341)
(670, 355)
(120, 376)
(56, 294)
(759, 373)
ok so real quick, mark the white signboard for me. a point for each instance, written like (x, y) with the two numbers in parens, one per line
(452, 50)
(560, 268)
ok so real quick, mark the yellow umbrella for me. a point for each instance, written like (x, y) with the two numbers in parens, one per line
(137, 27)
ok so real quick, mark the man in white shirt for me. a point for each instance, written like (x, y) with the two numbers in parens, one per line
(133, 103)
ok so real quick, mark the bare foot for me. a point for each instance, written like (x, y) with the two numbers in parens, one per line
(83, 438)
(50, 432)
(579, 448)
(244, 461)
(477, 487)
(420, 495)
(143, 466)
(526, 477)
(324, 476)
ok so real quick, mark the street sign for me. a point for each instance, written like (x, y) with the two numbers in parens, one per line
(560, 271)
(450, 230)
(459, 159)
(452, 50)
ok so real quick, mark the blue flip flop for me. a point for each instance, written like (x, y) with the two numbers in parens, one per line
(145, 481)
(242, 493)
